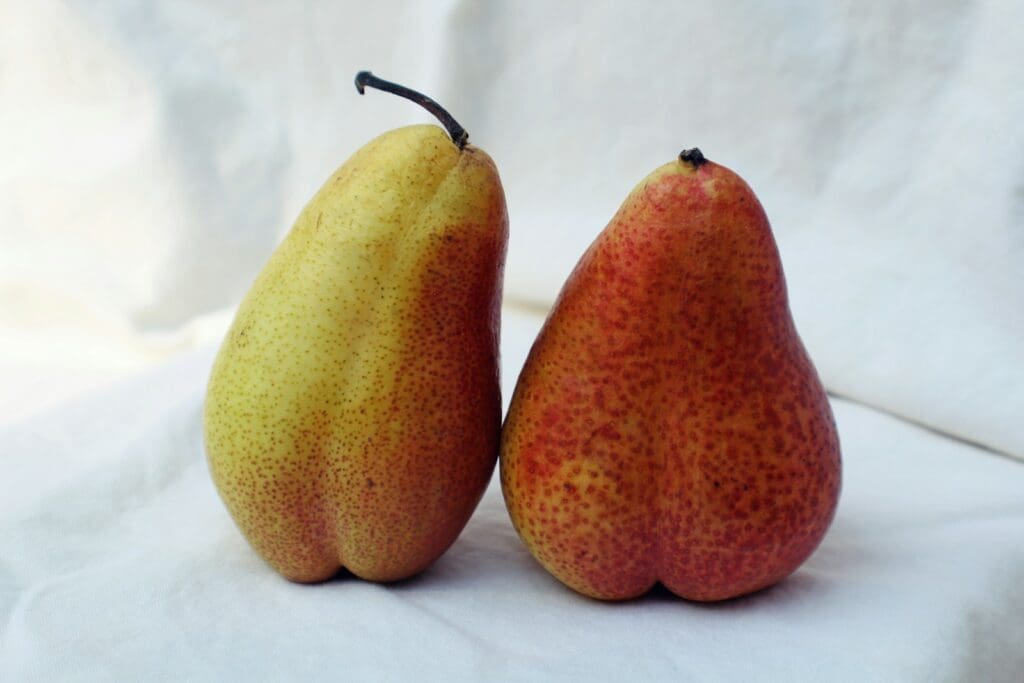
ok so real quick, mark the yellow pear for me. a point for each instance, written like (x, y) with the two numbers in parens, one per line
(353, 412)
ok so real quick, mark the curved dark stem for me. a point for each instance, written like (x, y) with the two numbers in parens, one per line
(459, 135)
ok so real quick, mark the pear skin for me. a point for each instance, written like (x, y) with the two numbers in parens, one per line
(668, 425)
(353, 412)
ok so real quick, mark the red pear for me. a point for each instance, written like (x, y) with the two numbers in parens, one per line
(668, 425)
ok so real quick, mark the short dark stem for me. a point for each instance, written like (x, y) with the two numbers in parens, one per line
(694, 157)
(459, 135)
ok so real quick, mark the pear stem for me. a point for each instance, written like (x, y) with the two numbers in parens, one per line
(459, 135)
(694, 157)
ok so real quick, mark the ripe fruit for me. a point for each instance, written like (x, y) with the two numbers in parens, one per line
(668, 424)
(353, 412)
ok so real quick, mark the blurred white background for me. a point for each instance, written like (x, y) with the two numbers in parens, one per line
(153, 153)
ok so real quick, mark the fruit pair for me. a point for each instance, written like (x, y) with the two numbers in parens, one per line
(667, 426)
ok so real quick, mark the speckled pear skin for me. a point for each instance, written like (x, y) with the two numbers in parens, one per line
(668, 425)
(353, 412)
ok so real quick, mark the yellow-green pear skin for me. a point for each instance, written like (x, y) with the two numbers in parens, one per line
(353, 412)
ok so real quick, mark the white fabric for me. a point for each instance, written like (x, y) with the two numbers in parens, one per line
(120, 563)
(152, 153)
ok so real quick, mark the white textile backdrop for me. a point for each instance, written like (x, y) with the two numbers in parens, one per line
(154, 152)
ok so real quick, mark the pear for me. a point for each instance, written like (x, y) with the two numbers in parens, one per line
(353, 413)
(668, 425)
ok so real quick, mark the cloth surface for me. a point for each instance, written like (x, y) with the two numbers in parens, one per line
(119, 562)
(152, 154)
